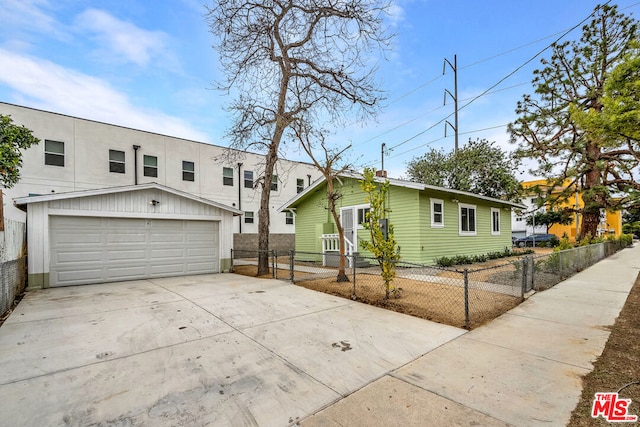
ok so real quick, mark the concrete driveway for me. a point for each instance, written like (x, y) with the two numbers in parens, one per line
(201, 350)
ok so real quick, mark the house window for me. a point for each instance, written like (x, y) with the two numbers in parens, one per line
(437, 213)
(299, 185)
(362, 215)
(248, 179)
(227, 176)
(518, 219)
(274, 182)
(53, 153)
(248, 217)
(289, 218)
(150, 164)
(116, 161)
(188, 171)
(495, 221)
(467, 219)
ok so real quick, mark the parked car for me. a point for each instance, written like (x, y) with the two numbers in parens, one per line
(537, 238)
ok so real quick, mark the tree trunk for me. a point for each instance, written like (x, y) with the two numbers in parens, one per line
(331, 197)
(592, 201)
(263, 213)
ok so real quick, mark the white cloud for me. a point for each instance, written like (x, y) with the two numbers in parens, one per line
(121, 40)
(29, 15)
(45, 85)
(396, 14)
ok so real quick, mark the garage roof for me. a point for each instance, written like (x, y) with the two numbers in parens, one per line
(22, 202)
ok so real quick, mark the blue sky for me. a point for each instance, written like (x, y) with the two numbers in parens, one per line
(149, 65)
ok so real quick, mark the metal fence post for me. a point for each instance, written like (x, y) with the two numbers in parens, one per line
(273, 264)
(466, 299)
(291, 258)
(533, 272)
(524, 275)
(231, 268)
(353, 263)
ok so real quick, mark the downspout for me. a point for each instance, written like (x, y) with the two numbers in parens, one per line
(135, 164)
(239, 198)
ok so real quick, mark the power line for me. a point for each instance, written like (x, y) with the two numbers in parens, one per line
(499, 81)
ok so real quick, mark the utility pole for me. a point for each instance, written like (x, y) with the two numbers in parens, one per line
(382, 155)
(453, 96)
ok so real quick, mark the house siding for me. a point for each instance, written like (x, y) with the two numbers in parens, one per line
(410, 215)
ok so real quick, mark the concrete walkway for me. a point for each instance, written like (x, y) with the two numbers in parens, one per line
(222, 350)
(522, 369)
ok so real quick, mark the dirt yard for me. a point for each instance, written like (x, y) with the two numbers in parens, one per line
(443, 303)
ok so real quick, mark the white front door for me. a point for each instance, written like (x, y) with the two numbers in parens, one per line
(348, 225)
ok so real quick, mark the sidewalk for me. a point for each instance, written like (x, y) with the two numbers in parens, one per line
(521, 369)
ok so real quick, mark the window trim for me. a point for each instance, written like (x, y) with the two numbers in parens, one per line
(462, 206)
(289, 218)
(187, 171)
(52, 154)
(495, 232)
(149, 169)
(251, 186)
(274, 183)
(435, 224)
(299, 185)
(227, 180)
(356, 209)
(118, 162)
(249, 219)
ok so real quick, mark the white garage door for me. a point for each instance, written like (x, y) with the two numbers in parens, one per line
(88, 250)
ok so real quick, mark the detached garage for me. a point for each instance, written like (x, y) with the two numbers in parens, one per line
(124, 233)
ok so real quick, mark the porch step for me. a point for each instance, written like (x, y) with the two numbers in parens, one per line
(333, 260)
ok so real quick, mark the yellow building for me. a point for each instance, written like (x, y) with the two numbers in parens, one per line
(610, 221)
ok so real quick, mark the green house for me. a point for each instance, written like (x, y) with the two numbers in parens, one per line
(429, 222)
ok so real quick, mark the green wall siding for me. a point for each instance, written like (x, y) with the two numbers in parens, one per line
(410, 214)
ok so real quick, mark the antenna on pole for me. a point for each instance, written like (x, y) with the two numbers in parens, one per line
(453, 96)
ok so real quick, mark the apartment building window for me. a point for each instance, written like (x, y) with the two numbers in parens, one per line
(248, 179)
(188, 171)
(150, 166)
(495, 221)
(248, 217)
(274, 182)
(467, 219)
(227, 176)
(299, 185)
(53, 153)
(116, 161)
(289, 218)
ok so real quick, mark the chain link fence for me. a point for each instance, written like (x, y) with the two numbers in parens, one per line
(462, 297)
(12, 282)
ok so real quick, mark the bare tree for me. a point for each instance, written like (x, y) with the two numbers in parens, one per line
(289, 60)
(331, 164)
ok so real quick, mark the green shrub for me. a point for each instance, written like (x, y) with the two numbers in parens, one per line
(444, 261)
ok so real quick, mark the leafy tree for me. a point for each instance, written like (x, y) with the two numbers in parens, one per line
(563, 217)
(557, 125)
(13, 139)
(291, 62)
(479, 167)
(384, 248)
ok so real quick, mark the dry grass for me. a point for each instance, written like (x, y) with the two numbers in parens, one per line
(618, 365)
